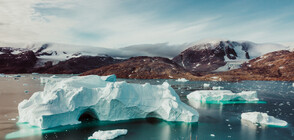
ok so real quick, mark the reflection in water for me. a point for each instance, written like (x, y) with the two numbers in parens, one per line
(25, 130)
(156, 129)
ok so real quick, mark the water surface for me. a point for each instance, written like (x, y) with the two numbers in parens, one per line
(217, 121)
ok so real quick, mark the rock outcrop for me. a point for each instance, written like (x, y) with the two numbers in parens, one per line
(16, 60)
(144, 67)
(278, 65)
(78, 65)
(210, 56)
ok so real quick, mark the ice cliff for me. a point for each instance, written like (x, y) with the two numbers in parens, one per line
(65, 101)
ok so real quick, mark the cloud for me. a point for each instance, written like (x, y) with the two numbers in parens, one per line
(114, 24)
(160, 49)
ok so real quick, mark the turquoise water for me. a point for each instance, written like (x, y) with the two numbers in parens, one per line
(218, 120)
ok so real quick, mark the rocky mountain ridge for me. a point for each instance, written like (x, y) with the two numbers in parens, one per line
(222, 60)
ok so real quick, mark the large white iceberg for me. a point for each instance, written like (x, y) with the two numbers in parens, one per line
(222, 95)
(65, 100)
(262, 118)
(107, 135)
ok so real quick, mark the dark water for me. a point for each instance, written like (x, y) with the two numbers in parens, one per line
(217, 121)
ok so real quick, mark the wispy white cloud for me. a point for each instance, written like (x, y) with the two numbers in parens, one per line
(109, 23)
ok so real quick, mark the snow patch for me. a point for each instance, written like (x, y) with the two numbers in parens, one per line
(109, 134)
(65, 100)
(262, 118)
(230, 65)
(16, 52)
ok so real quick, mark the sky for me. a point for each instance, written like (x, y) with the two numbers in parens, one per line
(120, 23)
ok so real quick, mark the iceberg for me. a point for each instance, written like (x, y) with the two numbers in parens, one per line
(109, 134)
(67, 101)
(217, 88)
(2, 75)
(205, 85)
(222, 95)
(262, 118)
(182, 80)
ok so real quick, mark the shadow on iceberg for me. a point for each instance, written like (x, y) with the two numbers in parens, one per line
(88, 115)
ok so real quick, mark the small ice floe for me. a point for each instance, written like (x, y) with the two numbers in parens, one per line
(44, 80)
(54, 76)
(292, 84)
(262, 118)
(222, 95)
(108, 134)
(217, 88)
(182, 80)
(12, 119)
(212, 135)
(16, 76)
(205, 85)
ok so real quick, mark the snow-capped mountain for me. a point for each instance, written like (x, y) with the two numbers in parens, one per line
(222, 55)
(211, 56)
(57, 52)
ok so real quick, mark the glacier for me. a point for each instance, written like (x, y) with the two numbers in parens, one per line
(222, 95)
(108, 134)
(262, 118)
(64, 101)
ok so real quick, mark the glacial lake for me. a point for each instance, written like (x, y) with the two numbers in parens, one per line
(217, 121)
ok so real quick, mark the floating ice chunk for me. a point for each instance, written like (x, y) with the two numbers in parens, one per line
(212, 135)
(109, 134)
(262, 118)
(16, 75)
(65, 100)
(109, 78)
(222, 95)
(292, 84)
(217, 88)
(13, 119)
(44, 80)
(182, 80)
(206, 85)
